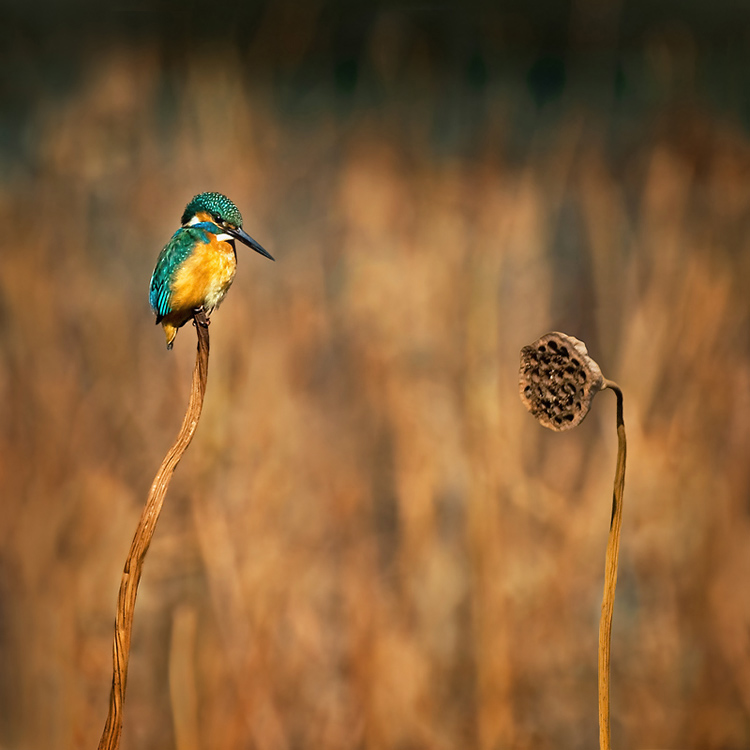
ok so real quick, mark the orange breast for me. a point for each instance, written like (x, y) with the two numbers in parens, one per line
(204, 278)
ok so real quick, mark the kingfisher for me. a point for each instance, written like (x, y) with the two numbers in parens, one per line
(196, 268)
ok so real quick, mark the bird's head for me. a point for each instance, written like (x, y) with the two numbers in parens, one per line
(217, 209)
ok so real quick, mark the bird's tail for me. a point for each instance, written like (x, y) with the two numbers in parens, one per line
(170, 332)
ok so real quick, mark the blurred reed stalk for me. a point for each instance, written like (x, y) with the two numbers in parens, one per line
(131, 574)
(558, 381)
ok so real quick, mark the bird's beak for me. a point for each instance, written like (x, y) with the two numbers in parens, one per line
(245, 238)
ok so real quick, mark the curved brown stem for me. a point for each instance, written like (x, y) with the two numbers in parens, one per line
(131, 575)
(610, 574)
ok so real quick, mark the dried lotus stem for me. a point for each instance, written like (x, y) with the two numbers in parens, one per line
(558, 382)
(610, 574)
(131, 576)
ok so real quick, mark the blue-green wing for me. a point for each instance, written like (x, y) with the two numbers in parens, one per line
(174, 254)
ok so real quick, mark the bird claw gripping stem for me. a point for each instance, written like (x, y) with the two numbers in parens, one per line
(200, 318)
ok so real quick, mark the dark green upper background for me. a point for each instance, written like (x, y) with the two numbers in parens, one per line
(629, 59)
(473, 42)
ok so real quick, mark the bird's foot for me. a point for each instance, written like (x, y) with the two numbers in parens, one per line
(200, 317)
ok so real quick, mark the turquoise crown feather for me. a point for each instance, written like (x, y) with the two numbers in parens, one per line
(217, 205)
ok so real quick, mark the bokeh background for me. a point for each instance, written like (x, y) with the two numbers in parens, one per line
(370, 544)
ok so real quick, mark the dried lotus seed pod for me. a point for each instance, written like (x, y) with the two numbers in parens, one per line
(558, 380)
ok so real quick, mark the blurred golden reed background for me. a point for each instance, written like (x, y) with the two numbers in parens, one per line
(370, 544)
